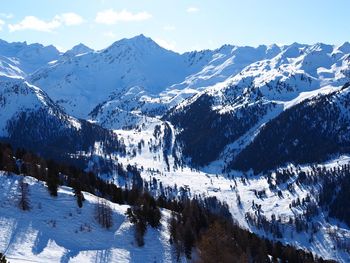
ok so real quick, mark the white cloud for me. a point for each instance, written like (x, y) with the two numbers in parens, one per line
(169, 28)
(165, 44)
(34, 23)
(111, 17)
(71, 19)
(2, 23)
(192, 9)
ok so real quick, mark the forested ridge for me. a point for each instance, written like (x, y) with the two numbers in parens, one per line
(310, 132)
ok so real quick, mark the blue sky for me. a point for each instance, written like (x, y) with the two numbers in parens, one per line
(179, 25)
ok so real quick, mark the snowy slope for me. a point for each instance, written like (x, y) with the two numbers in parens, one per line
(27, 57)
(226, 61)
(10, 67)
(121, 110)
(208, 67)
(229, 186)
(297, 68)
(56, 230)
(17, 96)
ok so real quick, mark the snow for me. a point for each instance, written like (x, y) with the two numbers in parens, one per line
(310, 94)
(297, 69)
(56, 230)
(14, 102)
(10, 68)
(210, 181)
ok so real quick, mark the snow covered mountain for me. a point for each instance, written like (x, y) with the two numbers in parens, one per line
(233, 111)
(24, 59)
(30, 119)
(18, 96)
(81, 83)
(157, 77)
(138, 76)
(207, 67)
(77, 50)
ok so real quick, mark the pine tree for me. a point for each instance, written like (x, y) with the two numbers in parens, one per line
(117, 196)
(52, 183)
(3, 259)
(218, 245)
(188, 239)
(23, 189)
(103, 213)
(78, 194)
(137, 217)
(80, 198)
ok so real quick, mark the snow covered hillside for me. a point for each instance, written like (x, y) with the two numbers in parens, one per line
(55, 229)
(151, 149)
(18, 96)
(30, 119)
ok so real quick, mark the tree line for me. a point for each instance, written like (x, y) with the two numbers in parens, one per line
(203, 226)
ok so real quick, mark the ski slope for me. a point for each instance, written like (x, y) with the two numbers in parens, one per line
(57, 230)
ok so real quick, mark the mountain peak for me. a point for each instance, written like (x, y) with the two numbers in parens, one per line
(82, 46)
(141, 37)
(321, 47)
(291, 51)
(78, 50)
(139, 42)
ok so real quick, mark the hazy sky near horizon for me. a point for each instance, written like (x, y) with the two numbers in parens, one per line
(178, 25)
